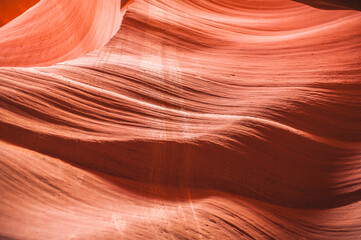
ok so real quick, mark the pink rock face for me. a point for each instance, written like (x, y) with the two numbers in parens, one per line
(55, 31)
(179, 119)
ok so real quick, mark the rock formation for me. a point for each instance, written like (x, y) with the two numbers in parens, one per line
(181, 119)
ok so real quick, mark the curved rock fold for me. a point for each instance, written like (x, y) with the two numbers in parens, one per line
(181, 119)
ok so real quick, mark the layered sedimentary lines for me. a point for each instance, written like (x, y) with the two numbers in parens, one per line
(55, 31)
(199, 119)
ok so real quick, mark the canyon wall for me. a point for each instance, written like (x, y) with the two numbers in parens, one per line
(181, 119)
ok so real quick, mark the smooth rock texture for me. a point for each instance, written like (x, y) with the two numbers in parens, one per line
(10, 9)
(181, 119)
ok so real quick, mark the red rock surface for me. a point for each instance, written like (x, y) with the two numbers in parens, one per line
(10, 9)
(198, 120)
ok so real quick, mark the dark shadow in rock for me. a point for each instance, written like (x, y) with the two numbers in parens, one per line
(333, 4)
(170, 170)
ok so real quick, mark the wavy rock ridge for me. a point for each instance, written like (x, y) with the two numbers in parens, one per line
(192, 120)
